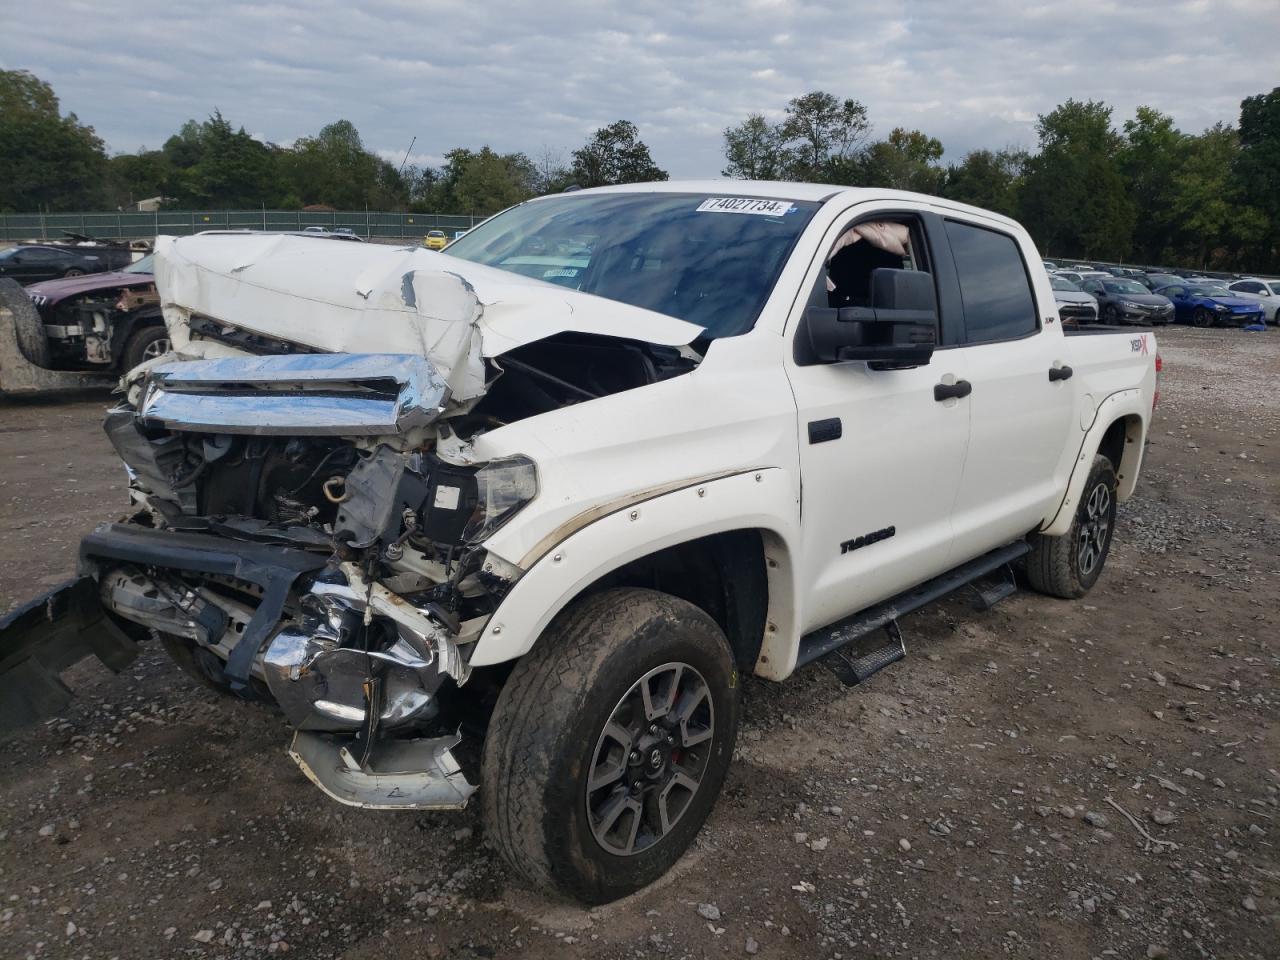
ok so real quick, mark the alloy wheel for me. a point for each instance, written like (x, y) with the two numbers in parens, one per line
(156, 348)
(1095, 528)
(650, 759)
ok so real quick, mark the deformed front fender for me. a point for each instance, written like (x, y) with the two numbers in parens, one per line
(764, 499)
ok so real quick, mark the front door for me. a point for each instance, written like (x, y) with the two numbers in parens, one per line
(880, 466)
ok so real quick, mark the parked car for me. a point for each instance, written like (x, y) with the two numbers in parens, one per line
(1127, 301)
(1265, 291)
(33, 262)
(1153, 280)
(1074, 304)
(581, 515)
(1207, 306)
(1049, 265)
(101, 321)
(435, 240)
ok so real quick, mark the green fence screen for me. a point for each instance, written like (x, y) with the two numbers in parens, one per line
(139, 226)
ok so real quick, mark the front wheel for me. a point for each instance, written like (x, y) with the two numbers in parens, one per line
(1111, 316)
(145, 343)
(609, 744)
(1202, 317)
(1069, 565)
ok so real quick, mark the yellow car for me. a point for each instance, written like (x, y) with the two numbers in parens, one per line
(435, 240)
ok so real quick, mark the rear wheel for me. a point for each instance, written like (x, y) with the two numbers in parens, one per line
(1202, 317)
(609, 744)
(145, 343)
(73, 272)
(1068, 566)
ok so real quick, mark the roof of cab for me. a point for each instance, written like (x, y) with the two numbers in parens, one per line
(786, 190)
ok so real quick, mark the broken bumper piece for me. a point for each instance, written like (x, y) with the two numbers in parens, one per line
(397, 775)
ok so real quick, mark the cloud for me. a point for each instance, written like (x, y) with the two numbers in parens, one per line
(520, 76)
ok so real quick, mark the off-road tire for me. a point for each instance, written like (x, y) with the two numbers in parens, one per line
(27, 325)
(1202, 318)
(1053, 565)
(543, 735)
(135, 348)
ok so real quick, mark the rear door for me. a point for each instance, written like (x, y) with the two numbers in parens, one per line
(1019, 417)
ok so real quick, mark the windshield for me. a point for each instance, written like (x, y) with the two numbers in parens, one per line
(145, 265)
(709, 260)
(1125, 286)
(1062, 283)
(7, 253)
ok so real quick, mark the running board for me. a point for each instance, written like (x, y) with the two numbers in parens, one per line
(819, 643)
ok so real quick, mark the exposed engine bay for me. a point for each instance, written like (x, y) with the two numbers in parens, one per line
(309, 514)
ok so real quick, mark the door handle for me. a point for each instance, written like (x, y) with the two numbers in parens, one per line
(948, 391)
(1059, 373)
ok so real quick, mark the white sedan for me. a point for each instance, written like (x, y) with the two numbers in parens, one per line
(1268, 291)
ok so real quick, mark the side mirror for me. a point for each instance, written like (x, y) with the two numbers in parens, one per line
(900, 327)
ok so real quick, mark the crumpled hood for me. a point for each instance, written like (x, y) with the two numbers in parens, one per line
(370, 298)
(57, 290)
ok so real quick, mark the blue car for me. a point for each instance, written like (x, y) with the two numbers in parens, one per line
(1210, 306)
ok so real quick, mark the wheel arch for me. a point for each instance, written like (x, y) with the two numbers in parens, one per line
(736, 565)
(1119, 433)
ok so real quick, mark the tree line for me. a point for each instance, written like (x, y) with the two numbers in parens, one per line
(1146, 192)
(52, 161)
(1142, 192)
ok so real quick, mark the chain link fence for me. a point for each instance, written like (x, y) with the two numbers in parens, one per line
(142, 226)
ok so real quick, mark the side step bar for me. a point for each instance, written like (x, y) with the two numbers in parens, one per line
(884, 616)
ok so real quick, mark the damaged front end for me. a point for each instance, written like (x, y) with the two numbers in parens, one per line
(309, 531)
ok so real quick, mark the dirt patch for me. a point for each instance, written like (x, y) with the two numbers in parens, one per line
(955, 806)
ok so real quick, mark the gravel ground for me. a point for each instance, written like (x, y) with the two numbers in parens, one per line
(1046, 778)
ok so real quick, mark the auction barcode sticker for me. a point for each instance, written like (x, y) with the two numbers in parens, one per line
(765, 208)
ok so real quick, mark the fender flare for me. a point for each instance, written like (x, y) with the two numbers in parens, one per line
(763, 499)
(1122, 405)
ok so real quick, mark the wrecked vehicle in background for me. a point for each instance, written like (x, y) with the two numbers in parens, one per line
(100, 321)
(521, 514)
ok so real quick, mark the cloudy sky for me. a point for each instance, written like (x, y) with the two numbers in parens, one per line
(533, 76)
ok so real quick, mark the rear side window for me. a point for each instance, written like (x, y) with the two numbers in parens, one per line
(994, 285)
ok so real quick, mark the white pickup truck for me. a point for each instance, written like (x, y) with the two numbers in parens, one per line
(520, 514)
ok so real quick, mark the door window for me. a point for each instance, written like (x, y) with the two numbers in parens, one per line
(994, 284)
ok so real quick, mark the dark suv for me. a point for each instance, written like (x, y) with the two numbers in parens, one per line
(29, 263)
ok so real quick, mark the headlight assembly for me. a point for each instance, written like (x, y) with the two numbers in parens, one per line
(503, 488)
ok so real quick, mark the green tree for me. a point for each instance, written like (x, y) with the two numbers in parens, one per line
(334, 168)
(1209, 205)
(1257, 169)
(482, 181)
(987, 178)
(137, 176)
(754, 150)
(214, 165)
(1074, 198)
(907, 160)
(47, 160)
(1149, 159)
(823, 136)
(615, 154)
